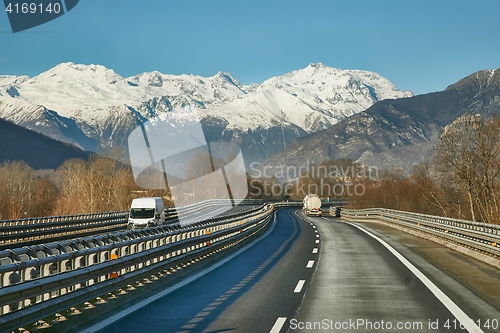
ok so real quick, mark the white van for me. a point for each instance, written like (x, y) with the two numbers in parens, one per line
(146, 212)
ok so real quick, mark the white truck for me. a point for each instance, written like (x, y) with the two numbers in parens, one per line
(146, 212)
(312, 205)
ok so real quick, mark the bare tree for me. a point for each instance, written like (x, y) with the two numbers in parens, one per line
(468, 154)
(19, 184)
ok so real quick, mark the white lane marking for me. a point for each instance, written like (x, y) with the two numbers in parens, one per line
(317, 235)
(299, 286)
(317, 241)
(110, 320)
(278, 325)
(465, 320)
(310, 264)
(316, 231)
(315, 250)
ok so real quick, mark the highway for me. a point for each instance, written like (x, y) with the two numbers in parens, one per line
(361, 286)
(246, 294)
(315, 274)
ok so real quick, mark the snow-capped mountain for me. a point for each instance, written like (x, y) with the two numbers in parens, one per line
(312, 98)
(396, 133)
(91, 105)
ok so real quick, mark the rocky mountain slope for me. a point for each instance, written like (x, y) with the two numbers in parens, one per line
(396, 133)
(37, 150)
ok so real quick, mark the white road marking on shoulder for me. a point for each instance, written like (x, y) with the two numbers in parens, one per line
(315, 250)
(310, 264)
(464, 319)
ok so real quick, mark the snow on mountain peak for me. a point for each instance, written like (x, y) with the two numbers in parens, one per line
(97, 98)
(77, 72)
(312, 98)
(227, 77)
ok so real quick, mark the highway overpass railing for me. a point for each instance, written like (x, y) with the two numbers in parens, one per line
(41, 280)
(478, 236)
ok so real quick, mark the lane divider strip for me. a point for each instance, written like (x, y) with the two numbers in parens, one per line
(299, 286)
(278, 325)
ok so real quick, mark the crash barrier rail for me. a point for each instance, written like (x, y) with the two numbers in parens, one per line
(27, 231)
(335, 211)
(39, 281)
(475, 235)
(297, 203)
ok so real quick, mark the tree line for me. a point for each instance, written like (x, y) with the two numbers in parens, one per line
(100, 184)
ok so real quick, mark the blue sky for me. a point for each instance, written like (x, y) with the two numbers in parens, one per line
(422, 46)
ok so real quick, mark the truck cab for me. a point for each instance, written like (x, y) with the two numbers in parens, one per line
(146, 213)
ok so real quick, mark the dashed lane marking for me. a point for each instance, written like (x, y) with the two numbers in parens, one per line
(278, 325)
(299, 286)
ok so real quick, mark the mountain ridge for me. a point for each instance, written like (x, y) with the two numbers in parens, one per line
(91, 106)
(400, 132)
(35, 149)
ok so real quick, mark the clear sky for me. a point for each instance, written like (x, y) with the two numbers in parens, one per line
(422, 46)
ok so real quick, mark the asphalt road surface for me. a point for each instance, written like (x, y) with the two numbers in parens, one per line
(246, 294)
(316, 275)
(367, 282)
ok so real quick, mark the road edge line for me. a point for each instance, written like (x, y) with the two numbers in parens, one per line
(459, 314)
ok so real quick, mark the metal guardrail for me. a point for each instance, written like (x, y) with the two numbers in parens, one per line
(297, 203)
(476, 235)
(41, 280)
(27, 231)
(24, 231)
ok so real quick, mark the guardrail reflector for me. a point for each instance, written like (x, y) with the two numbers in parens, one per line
(207, 232)
(114, 256)
(494, 244)
(446, 231)
(208, 244)
(113, 275)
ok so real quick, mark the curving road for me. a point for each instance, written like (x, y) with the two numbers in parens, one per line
(246, 294)
(316, 275)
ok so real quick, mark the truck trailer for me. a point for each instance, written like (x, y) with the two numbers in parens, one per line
(312, 205)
